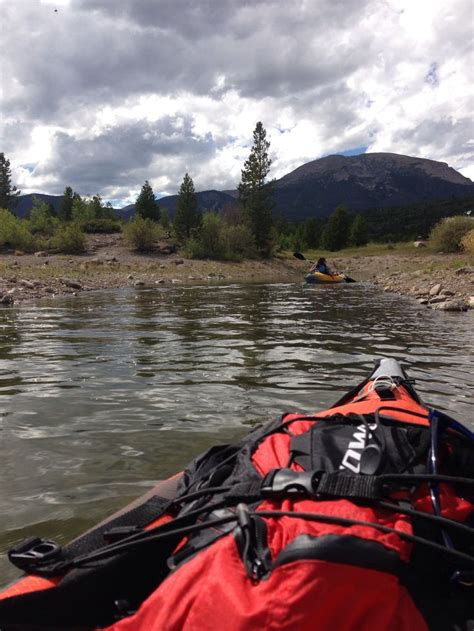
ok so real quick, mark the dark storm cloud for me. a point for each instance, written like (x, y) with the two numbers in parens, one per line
(123, 154)
(264, 48)
(333, 68)
(197, 19)
(95, 52)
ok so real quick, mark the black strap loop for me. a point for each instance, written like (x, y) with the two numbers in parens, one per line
(280, 483)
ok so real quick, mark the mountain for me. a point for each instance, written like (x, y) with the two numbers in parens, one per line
(363, 182)
(207, 200)
(25, 202)
(370, 180)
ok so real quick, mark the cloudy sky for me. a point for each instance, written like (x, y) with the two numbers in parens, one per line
(103, 94)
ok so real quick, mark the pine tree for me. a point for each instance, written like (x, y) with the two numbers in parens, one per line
(312, 232)
(336, 231)
(146, 206)
(164, 219)
(65, 210)
(8, 192)
(187, 218)
(255, 194)
(358, 231)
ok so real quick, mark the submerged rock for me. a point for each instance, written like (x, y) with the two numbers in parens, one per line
(72, 283)
(452, 305)
(7, 300)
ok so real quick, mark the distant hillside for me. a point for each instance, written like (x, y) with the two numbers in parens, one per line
(371, 180)
(25, 202)
(410, 222)
(207, 200)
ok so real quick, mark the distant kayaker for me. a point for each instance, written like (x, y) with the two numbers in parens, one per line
(321, 267)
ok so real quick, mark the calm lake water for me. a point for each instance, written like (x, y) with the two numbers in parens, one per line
(104, 394)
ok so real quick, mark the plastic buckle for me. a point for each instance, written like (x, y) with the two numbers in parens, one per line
(34, 552)
(280, 483)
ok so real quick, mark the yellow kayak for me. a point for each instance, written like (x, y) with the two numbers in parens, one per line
(317, 277)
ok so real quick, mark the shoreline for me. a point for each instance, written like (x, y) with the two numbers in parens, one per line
(444, 282)
(439, 281)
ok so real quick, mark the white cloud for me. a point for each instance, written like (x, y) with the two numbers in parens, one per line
(103, 95)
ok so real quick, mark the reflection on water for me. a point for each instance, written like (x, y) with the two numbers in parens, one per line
(104, 394)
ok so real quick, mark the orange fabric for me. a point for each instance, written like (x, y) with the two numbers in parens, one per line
(303, 595)
(371, 402)
(212, 590)
(29, 584)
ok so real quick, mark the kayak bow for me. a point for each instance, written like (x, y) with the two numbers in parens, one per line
(358, 515)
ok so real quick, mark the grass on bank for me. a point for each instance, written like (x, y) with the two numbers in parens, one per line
(403, 248)
(402, 257)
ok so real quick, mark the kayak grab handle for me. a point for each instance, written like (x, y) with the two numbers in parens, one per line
(34, 552)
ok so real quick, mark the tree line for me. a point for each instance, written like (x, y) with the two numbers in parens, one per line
(239, 232)
(246, 228)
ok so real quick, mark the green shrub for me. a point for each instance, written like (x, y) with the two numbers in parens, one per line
(14, 232)
(42, 221)
(467, 242)
(69, 239)
(83, 211)
(207, 241)
(239, 242)
(142, 234)
(447, 235)
(218, 240)
(194, 249)
(286, 242)
(107, 226)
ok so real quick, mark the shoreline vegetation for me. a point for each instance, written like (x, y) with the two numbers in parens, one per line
(83, 245)
(440, 281)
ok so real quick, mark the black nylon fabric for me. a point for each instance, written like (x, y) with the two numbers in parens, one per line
(337, 443)
(88, 595)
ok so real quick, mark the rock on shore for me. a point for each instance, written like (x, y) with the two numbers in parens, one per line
(108, 264)
(441, 289)
(441, 282)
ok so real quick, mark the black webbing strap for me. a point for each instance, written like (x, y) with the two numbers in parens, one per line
(286, 483)
(135, 518)
(27, 555)
(349, 486)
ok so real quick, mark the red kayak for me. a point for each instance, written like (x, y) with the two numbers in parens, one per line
(352, 518)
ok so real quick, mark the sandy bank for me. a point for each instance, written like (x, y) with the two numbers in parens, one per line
(431, 279)
(107, 264)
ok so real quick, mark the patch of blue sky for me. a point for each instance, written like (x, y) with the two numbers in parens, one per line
(356, 151)
(432, 75)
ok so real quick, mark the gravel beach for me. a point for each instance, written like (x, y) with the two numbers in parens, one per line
(440, 281)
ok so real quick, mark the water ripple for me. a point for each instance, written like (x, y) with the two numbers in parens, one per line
(103, 394)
